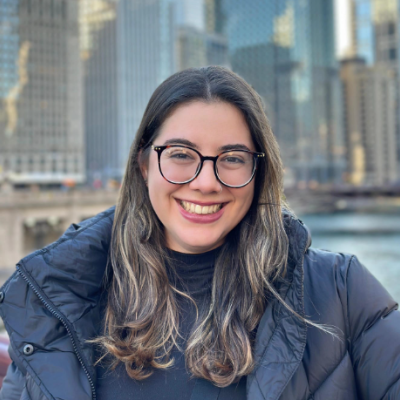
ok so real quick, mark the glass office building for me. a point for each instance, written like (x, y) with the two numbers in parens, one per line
(41, 132)
(128, 49)
(362, 31)
(286, 50)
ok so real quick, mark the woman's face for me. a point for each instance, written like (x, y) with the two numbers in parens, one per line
(207, 127)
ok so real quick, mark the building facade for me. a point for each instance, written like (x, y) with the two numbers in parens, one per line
(376, 39)
(369, 97)
(195, 48)
(41, 121)
(374, 32)
(286, 51)
(127, 47)
(361, 32)
(386, 20)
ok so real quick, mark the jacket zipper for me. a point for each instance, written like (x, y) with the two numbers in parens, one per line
(66, 325)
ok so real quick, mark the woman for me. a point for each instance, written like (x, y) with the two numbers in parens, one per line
(211, 290)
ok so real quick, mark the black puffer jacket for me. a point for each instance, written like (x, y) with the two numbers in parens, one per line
(50, 308)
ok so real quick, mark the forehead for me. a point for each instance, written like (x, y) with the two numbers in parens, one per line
(208, 125)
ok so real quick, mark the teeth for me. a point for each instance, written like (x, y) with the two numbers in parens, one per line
(197, 209)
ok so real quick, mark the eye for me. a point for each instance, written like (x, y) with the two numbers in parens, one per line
(178, 154)
(232, 159)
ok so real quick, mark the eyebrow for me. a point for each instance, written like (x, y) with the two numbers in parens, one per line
(236, 146)
(183, 142)
(226, 147)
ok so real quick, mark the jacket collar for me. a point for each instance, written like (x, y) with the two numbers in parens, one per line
(74, 266)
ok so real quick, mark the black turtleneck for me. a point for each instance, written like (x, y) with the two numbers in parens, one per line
(190, 273)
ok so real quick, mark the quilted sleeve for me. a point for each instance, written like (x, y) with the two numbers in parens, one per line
(13, 384)
(374, 322)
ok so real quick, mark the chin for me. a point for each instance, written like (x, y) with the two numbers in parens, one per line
(199, 244)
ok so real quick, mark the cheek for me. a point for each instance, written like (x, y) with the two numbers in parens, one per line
(152, 167)
(159, 192)
(247, 195)
(244, 198)
(155, 182)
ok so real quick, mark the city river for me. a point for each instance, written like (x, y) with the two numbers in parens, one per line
(373, 238)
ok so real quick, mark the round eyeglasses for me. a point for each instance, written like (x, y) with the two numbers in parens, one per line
(180, 164)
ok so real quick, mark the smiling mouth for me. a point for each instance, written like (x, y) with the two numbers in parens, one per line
(200, 210)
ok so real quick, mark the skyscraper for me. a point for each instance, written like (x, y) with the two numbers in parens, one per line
(100, 77)
(128, 49)
(362, 41)
(386, 20)
(41, 135)
(375, 31)
(376, 38)
(286, 50)
(214, 16)
(195, 48)
(369, 98)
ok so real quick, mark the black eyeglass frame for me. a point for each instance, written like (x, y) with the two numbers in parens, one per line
(256, 157)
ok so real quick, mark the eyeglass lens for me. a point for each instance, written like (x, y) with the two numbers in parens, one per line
(180, 164)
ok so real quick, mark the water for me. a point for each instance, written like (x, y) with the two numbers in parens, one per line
(373, 238)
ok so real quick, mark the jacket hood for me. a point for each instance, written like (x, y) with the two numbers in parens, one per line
(68, 275)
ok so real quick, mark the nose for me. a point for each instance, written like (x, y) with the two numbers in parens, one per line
(206, 181)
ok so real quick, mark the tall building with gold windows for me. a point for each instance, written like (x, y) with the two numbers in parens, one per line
(286, 50)
(375, 39)
(41, 132)
(369, 99)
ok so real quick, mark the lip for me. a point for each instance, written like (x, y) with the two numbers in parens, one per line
(200, 218)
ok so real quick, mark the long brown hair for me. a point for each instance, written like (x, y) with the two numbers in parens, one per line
(141, 323)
